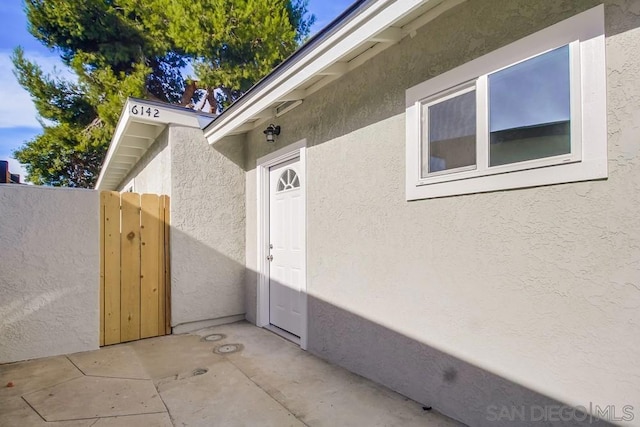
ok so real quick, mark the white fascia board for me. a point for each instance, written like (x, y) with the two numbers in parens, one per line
(123, 121)
(149, 113)
(158, 115)
(378, 17)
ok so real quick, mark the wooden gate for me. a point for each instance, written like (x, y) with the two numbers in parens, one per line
(134, 267)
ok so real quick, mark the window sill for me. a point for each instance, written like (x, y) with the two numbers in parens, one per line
(558, 174)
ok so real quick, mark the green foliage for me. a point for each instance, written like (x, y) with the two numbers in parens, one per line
(100, 30)
(122, 48)
(64, 155)
(54, 98)
(234, 43)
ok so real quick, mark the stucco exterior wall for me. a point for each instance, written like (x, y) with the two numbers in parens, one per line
(152, 174)
(49, 271)
(503, 298)
(207, 231)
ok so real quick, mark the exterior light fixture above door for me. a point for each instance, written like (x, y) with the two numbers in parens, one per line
(271, 131)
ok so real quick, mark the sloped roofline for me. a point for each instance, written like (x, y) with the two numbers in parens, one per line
(310, 44)
(364, 30)
(140, 123)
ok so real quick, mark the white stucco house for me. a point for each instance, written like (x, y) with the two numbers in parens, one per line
(450, 206)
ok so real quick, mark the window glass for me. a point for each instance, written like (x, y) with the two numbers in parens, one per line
(451, 134)
(288, 180)
(529, 109)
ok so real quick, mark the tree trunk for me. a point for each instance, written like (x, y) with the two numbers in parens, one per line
(213, 103)
(190, 90)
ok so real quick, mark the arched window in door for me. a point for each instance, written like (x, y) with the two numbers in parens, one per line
(288, 181)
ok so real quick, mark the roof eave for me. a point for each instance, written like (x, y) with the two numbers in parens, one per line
(365, 30)
(140, 123)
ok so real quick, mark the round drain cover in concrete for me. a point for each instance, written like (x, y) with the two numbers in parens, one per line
(199, 371)
(214, 337)
(228, 348)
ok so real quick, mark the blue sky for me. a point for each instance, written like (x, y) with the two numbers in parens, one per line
(18, 121)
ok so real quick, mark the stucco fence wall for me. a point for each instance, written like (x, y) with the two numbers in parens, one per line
(49, 271)
(505, 298)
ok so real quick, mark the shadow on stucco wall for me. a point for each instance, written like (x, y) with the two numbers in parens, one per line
(621, 16)
(433, 377)
(424, 373)
(234, 150)
(419, 371)
(415, 369)
(206, 283)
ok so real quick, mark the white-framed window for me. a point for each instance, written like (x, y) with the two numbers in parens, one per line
(531, 113)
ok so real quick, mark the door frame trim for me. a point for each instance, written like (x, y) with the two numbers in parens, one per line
(263, 164)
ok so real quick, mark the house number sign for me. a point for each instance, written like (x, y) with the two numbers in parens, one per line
(139, 110)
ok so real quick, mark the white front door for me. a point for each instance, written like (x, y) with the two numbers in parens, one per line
(287, 247)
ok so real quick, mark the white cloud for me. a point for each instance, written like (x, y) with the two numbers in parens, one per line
(16, 108)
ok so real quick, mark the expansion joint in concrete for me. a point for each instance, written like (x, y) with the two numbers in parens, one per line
(267, 392)
(77, 367)
(33, 409)
(165, 405)
(118, 378)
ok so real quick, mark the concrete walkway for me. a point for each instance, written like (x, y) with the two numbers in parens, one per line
(231, 375)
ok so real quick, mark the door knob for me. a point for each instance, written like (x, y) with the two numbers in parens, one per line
(270, 258)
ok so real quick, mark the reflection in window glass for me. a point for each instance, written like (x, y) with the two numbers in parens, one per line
(529, 109)
(452, 134)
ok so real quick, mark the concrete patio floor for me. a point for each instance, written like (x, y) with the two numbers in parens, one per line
(190, 380)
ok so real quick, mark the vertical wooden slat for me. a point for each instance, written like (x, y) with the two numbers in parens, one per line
(167, 263)
(149, 267)
(102, 254)
(130, 269)
(161, 276)
(111, 267)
